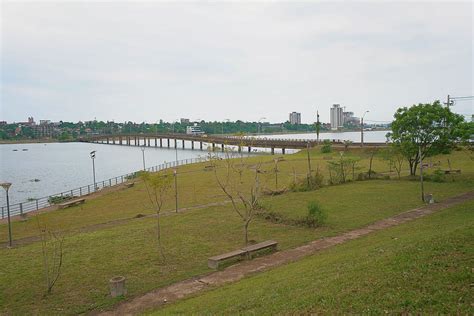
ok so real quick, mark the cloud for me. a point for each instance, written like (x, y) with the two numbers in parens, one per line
(150, 60)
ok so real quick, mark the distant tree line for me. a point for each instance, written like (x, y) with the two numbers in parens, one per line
(65, 131)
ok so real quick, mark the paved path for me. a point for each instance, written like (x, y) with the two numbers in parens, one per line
(236, 272)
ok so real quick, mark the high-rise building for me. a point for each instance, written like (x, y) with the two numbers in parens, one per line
(337, 119)
(295, 118)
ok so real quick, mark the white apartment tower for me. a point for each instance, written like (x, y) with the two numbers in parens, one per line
(337, 119)
(295, 118)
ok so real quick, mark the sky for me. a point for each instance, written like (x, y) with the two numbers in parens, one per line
(146, 61)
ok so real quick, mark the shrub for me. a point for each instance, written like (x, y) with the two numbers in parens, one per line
(310, 183)
(326, 148)
(59, 199)
(437, 176)
(316, 215)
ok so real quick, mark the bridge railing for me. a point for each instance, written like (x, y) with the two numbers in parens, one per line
(37, 204)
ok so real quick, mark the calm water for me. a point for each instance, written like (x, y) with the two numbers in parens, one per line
(369, 136)
(63, 166)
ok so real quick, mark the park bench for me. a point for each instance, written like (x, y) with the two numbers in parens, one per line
(452, 171)
(269, 244)
(129, 185)
(71, 203)
(245, 252)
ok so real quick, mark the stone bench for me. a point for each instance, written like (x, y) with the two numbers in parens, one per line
(71, 203)
(269, 244)
(245, 252)
(213, 262)
(452, 171)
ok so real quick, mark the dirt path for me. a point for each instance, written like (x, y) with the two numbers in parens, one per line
(236, 272)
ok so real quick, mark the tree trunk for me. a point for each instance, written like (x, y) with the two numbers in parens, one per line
(246, 231)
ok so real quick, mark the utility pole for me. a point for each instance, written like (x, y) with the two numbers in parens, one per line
(143, 157)
(318, 126)
(362, 129)
(93, 168)
(421, 175)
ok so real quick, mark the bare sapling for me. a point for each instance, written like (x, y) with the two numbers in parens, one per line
(52, 251)
(243, 196)
(157, 186)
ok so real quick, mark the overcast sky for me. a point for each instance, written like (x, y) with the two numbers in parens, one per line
(145, 61)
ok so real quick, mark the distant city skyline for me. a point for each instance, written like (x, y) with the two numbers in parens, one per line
(146, 61)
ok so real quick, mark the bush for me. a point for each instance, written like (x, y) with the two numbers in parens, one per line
(59, 199)
(316, 215)
(313, 183)
(326, 148)
(437, 176)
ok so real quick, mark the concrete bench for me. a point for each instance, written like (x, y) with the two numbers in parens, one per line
(129, 185)
(452, 171)
(245, 252)
(269, 244)
(71, 203)
(213, 262)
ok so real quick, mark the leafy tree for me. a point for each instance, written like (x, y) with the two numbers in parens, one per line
(428, 129)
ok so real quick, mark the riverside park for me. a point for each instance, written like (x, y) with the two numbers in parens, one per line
(352, 230)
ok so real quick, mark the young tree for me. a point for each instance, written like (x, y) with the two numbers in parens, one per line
(157, 186)
(426, 129)
(233, 186)
(52, 251)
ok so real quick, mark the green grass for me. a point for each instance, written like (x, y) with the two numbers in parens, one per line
(93, 256)
(418, 267)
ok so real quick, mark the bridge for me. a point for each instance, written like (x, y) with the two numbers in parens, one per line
(169, 140)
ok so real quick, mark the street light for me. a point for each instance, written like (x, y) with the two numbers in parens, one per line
(143, 156)
(223, 123)
(6, 186)
(362, 129)
(260, 124)
(93, 168)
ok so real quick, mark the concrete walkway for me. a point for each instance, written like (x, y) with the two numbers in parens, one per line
(236, 272)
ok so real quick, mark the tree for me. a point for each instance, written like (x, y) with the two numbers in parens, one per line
(157, 186)
(428, 129)
(233, 186)
(52, 251)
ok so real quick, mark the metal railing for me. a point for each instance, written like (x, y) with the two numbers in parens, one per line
(40, 203)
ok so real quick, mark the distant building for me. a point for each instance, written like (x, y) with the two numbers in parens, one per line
(337, 119)
(45, 122)
(350, 119)
(295, 118)
(194, 130)
(184, 121)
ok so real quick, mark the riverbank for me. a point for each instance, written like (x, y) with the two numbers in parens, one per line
(32, 141)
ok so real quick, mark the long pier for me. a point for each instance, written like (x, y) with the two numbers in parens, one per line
(215, 142)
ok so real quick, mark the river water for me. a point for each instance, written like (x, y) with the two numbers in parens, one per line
(64, 166)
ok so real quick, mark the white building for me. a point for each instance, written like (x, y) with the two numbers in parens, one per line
(194, 130)
(337, 119)
(295, 118)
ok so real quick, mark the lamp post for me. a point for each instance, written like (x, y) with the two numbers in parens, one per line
(6, 186)
(143, 157)
(93, 168)
(260, 124)
(362, 129)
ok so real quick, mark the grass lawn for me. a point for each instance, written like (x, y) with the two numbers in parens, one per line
(419, 267)
(93, 256)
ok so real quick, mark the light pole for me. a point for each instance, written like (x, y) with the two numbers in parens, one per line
(6, 186)
(143, 157)
(362, 129)
(260, 124)
(223, 123)
(93, 168)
